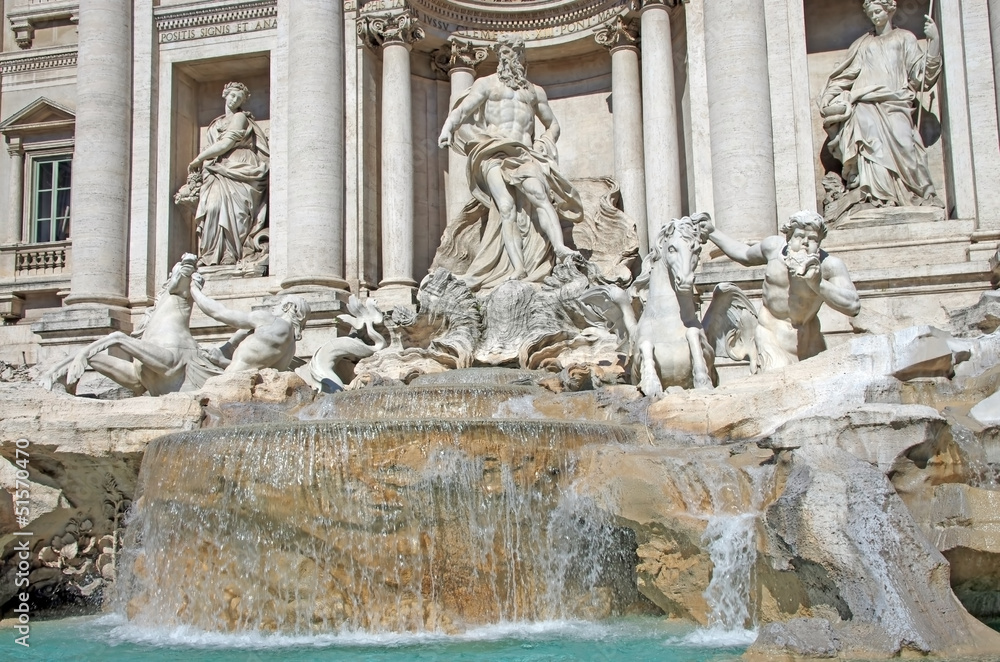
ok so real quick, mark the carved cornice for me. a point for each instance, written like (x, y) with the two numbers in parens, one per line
(620, 33)
(24, 18)
(186, 17)
(459, 53)
(484, 20)
(378, 30)
(18, 63)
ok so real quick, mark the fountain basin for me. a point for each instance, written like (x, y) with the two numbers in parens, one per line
(407, 525)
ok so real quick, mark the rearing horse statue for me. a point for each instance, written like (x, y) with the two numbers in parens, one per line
(165, 358)
(670, 347)
(669, 343)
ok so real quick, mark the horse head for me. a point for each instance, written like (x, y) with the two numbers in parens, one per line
(179, 281)
(678, 245)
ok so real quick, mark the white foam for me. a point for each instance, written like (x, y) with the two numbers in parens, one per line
(121, 632)
(716, 637)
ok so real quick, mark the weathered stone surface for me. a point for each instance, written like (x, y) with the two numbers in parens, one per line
(867, 560)
(983, 317)
(838, 379)
(928, 352)
(667, 497)
(83, 461)
(812, 637)
(876, 433)
(963, 522)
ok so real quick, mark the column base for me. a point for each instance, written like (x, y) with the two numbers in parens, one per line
(102, 300)
(311, 283)
(390, 294)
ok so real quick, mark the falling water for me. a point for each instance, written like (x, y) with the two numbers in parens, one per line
(365, 525)
(736, 497)
(733, 551)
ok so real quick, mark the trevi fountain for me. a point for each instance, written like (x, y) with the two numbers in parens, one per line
(526, 330)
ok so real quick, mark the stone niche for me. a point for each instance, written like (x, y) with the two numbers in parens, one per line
(578, 86)
(831, 28)
(197, 101)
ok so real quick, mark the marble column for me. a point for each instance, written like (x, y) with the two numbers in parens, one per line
(622, 39)
(15, 205)
(102, 154)
(315, 227)
(458, 60)
(659, 117)
(395, 34)
(739, 108)
(994, 13)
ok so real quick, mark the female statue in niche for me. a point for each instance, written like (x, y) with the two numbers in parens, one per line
(868, 111)
(232, 172)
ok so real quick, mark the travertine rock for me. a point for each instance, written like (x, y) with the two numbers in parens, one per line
(867, 560)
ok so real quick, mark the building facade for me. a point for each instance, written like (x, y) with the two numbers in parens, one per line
(703, 105)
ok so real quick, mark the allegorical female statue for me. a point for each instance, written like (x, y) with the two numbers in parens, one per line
(232, 174)
(868, 111)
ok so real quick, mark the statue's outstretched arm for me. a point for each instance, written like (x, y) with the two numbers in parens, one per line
(217, 311)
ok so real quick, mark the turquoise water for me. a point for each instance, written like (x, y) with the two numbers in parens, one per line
(103, 638)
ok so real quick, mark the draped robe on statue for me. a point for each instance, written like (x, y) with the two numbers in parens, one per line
(472, 246)
(232, 206)
(878, 144)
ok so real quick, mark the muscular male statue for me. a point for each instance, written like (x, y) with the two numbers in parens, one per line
(798, 280)
(266, 339)
(510, 174)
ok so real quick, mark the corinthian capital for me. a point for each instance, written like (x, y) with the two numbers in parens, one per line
(458, 53)
(619, 33)
(642, 4)
(377, 30)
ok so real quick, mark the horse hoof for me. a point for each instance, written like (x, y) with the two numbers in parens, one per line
(651, 388)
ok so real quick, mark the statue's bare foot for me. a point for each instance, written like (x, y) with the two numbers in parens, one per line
(520, 274)
(565, 252)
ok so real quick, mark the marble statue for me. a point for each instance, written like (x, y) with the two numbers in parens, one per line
(266, 338)
(326, 371)
(229, 179)
(799, 278)
(868, 112)
(518, 191)
(165, 356)
(670, 345)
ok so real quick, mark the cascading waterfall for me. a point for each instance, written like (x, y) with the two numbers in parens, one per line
(406, 525)
(730, 538)
(733, 550)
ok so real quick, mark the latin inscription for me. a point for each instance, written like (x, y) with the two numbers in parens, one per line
(222, 30)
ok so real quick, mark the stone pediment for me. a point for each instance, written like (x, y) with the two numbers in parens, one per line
(38, 116)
